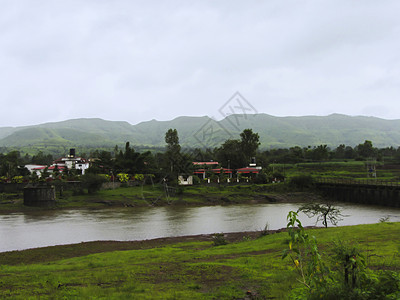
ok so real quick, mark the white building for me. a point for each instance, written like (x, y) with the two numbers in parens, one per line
(35, 169)
(71, 161)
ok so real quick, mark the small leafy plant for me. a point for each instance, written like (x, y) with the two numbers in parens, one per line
(219, 239)
(349, 278)
(303, 252)
(265, 230)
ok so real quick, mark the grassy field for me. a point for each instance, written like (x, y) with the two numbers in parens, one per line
(249, 267)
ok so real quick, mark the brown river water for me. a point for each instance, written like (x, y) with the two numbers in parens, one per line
(46, 228)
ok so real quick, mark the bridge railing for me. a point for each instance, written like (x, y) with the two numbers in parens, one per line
(351, 181)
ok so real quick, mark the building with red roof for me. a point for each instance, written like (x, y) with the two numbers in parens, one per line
(69, 162)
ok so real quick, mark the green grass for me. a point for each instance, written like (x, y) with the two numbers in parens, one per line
(149, 195)
(189, 195)
(195, 269)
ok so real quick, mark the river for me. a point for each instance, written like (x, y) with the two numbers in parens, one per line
(46, 228)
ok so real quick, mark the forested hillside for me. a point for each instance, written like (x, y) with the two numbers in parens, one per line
(202, 132)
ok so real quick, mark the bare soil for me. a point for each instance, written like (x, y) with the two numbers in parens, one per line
(53, 253)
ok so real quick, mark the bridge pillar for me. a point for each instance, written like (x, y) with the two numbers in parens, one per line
(39, 195)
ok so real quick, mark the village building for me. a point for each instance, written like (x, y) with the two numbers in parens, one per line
(35, 169)
(211, 167)
(52, 169)
(202, 167)
(251, 170)
(185, 179)
(60, 165)
(71, 162)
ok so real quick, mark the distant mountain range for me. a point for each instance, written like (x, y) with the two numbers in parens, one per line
(202, 132)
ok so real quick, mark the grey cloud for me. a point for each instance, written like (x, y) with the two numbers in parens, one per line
(135, 61)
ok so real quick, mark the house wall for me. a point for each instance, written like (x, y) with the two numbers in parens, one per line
(185, 181)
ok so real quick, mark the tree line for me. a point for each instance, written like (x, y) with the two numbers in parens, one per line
(233, 154)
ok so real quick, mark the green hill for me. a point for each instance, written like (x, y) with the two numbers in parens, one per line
(6, 131)
(204, 132)
(332, 130)
(108, 130)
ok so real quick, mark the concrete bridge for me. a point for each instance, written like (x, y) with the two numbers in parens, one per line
(368, 191)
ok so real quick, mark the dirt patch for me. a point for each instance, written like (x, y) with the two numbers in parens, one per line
(53, 253)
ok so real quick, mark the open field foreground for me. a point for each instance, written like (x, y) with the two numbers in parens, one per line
(250, 266)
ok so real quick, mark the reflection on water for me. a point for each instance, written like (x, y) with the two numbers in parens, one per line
(36, 229)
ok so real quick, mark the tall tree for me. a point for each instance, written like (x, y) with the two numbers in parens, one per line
(249, 143)
(103, 163)
(173, 151)
(230, 154)
(172, 140)
(42, 159)
(320, 152)
(339, 152)
(127, 162)
(10, 163)
(366, 150)
(349, 152)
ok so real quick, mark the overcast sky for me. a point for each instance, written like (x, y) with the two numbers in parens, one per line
(135, 61)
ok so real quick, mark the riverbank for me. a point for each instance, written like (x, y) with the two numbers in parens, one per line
(138, 196)
(248, 267)
(52, 253)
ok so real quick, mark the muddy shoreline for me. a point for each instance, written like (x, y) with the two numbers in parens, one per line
(52, 253)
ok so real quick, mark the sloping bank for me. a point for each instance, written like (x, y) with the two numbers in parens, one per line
(194, 195)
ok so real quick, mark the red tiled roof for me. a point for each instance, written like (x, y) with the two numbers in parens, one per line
(58, 167)
(39, 168)
(248, 170)
(49, 168)
(201, 171)
(224, 170)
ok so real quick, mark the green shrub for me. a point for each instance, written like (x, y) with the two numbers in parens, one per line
(348, 278)
(78, 192)
(179, 190)
(373, 285)
(260, 178)
(93, 182)
(219, 239)
(196, 180)
(302, 182)
(277, 176)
